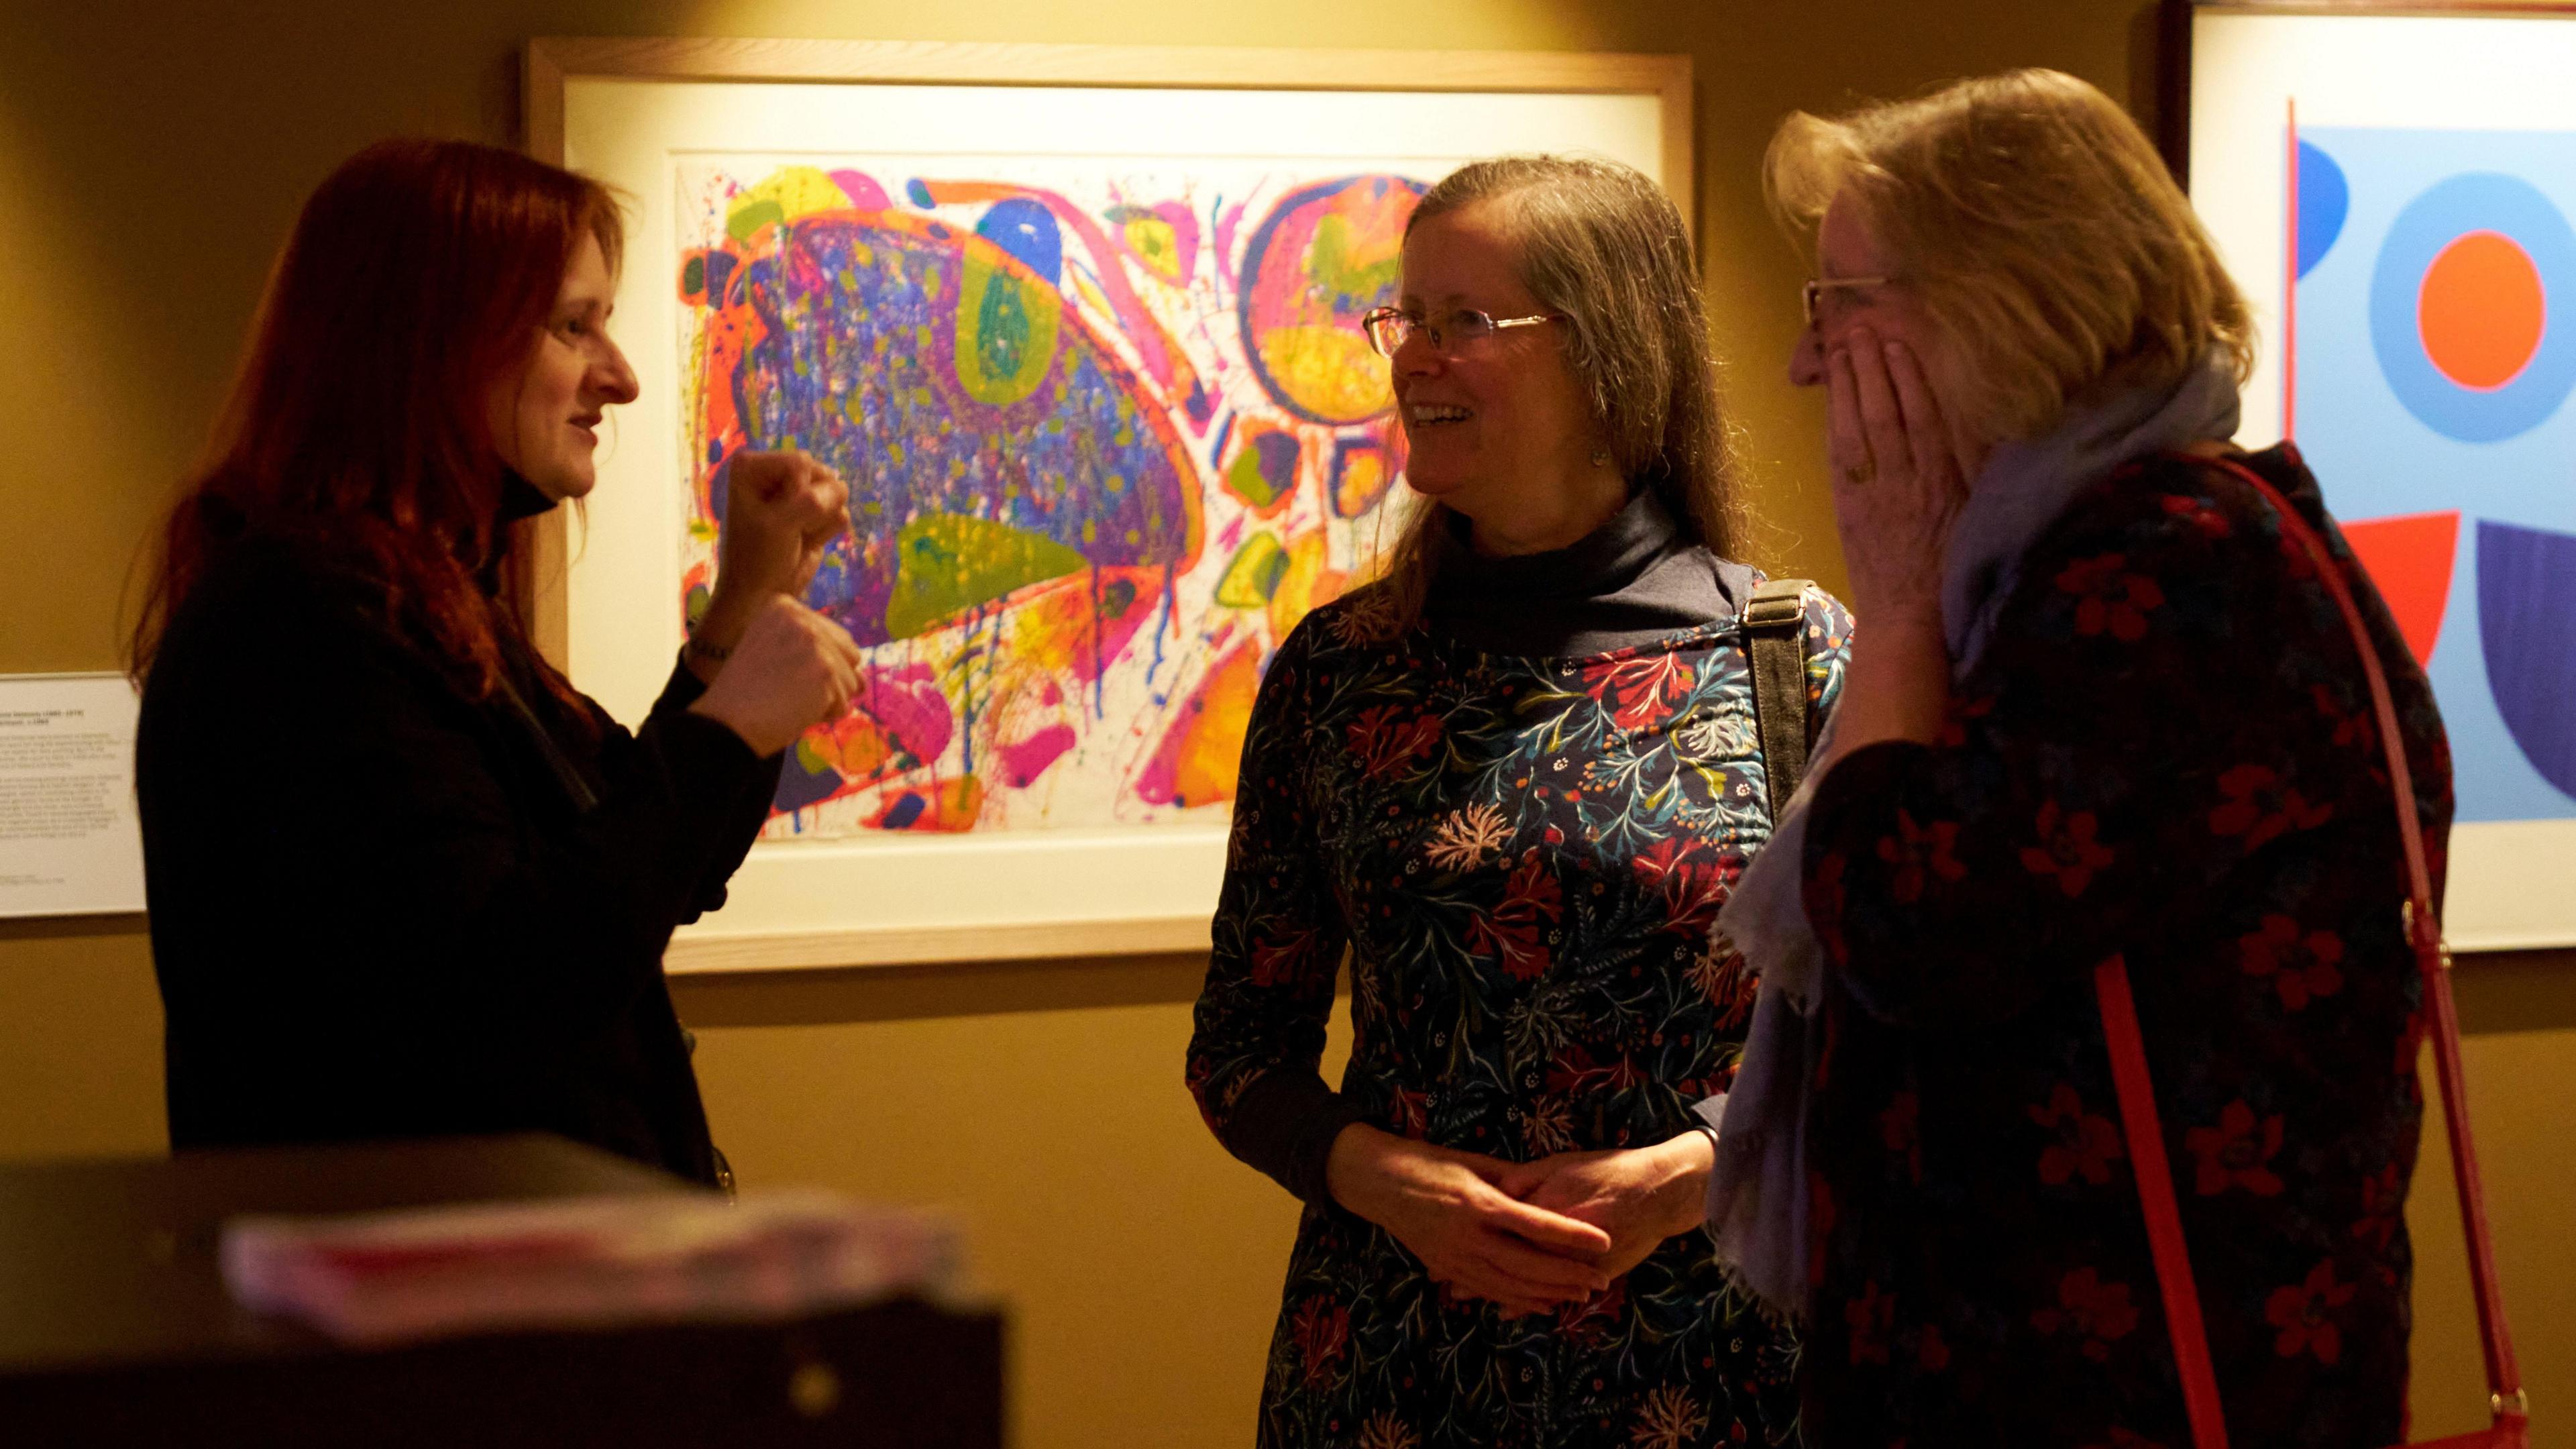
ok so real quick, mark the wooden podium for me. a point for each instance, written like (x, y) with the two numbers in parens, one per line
(115, 1328)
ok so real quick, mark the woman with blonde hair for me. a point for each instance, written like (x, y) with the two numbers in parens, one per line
(2103, 708)
(1510, 783)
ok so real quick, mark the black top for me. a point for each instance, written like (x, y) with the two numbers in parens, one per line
(382, 908)
(1634, 580)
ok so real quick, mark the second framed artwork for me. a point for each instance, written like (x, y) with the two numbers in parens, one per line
(2394, 188)
(1080, 329)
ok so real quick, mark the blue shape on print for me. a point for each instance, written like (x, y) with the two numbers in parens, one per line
(1027, 230)
(799, 787)
(919, 191)
(2526, 595)
(2477, 201)
(2324, 200)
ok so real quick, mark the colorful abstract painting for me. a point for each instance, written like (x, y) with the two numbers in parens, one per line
(1108, 437)
(2433, 354)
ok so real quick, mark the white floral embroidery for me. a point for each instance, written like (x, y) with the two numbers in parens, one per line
(1716, 735)
(1669, 1419)
(1463, 839)
(1385, 1431)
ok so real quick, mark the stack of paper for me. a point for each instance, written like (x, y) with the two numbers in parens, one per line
(373, 1277)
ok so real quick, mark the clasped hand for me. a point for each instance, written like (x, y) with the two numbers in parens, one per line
(1529, 1236)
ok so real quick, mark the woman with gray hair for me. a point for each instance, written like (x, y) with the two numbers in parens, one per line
(2107, 723)
(1510, 782)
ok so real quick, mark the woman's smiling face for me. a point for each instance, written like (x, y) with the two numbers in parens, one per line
(1493, 419)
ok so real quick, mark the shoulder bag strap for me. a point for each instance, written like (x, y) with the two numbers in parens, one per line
(2506, 1400)
(1775, 637)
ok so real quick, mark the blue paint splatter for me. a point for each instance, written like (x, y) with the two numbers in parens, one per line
(2324, 199)
(1027, 230)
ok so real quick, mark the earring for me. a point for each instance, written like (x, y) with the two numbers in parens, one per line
(1601, 457)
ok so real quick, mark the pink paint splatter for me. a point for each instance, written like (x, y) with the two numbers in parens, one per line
(906, 704)
(862, 189)
(1025, 760)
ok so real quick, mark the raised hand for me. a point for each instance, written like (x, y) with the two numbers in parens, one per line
(782, 510)
(1470, 1235)
(1901, 473)
(790, 669)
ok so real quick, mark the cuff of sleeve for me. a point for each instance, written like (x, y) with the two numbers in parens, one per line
(1285, 1125)
(1860, 775)
(681, 690)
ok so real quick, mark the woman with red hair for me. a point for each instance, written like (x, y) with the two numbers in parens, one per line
(405, 880)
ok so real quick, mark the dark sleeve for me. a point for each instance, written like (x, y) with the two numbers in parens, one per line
(750, 812)
(326, 793)
(2121, 740)
(1259, 1041)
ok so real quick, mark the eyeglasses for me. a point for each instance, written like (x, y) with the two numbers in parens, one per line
(1389, 327)
(1814, 292)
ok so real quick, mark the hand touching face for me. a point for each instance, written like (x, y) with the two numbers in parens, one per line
(1901, 459)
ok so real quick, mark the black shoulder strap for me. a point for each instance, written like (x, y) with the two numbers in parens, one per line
(1775, 637)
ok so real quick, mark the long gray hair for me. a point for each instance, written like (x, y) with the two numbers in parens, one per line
(1602, 245)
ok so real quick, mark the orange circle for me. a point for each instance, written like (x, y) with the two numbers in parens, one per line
(2481, 311)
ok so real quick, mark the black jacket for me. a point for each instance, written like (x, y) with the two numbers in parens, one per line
(383, 908)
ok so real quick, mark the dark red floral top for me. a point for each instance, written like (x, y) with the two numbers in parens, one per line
(2167, 752)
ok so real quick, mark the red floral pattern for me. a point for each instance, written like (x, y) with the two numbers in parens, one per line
(2261, 808)
(2067, 851)
(2084, 1145)
(2237, 1152)
(2305, 1315)
(2302, 966)
(2111, 598)
(1920, 852)
(2099, 1313)
(2183, 774)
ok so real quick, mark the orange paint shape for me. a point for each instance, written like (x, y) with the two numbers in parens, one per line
(2409, 558)
(1204, 773)
(2481, 311)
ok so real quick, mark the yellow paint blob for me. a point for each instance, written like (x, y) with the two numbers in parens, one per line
(1329, 371)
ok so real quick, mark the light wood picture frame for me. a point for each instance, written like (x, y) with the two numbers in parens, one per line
(1141, 204)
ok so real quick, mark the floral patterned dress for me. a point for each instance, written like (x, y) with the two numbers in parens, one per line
(1523, 857)
(2168, 752)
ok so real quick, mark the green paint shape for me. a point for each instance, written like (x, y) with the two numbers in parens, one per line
(749, 219)
(946, 563)
(1332, 269)
(1006, 330)
(1264, 471)
(1254, 574)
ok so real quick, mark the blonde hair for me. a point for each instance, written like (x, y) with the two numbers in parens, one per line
(1604, 247)
(2038, 227)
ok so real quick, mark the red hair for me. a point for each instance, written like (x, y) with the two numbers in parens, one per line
(418, 275)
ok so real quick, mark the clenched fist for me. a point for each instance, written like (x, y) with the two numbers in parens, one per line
(791, 669)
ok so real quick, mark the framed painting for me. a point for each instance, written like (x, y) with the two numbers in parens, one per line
(2394, 190)
(1080, 329)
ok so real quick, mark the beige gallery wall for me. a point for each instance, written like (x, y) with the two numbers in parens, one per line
(152, 156)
